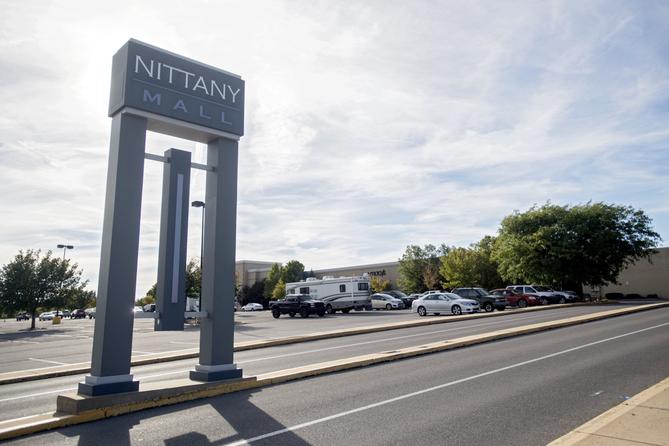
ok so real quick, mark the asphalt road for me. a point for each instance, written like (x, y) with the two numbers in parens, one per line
(523, 388)
(71, 342)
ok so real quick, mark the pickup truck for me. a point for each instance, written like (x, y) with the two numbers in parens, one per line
(301, 304)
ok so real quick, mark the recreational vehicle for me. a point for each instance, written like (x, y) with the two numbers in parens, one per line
(337, 293)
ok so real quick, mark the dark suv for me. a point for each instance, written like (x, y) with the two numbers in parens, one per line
(301, 304)
(401, 296)
(487, 301)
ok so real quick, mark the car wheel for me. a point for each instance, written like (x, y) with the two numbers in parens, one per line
(456, 310)
(389, 307)
(304, 313)
(291, 314)
(321, 313)
(276, 314)
(346, 310)
(488, 307)
(522, 303)
(422, 311)
(544, 301)
(329, 309)
(562, 300)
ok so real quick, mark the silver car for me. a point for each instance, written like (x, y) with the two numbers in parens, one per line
(381, 301)
(438, 303)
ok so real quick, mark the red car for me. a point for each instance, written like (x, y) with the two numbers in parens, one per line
(517, 299)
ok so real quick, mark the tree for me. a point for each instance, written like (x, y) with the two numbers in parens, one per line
(570, 247)
(293, 272)
(31, 281)
(193, 278)
(458, 268)
(279, 290)
(79, 298)
(379, 284)
(473, 266)
(414, 263)
(273, 277)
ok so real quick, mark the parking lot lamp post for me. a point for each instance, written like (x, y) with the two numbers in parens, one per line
(200, 204)
(65, 248)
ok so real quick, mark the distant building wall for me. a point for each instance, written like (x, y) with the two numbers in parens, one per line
(644, 277)
(388, 271)
(248, 272)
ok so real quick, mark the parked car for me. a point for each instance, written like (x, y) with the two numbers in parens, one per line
(569, 296)
(137, 309)
(438, 303)
(381, 301)
(514, 299)
(301, 304)
(486, 301)
(237, 306)
(22, 316)
(149, 308)
(253, 306)
(46, 316)
(78, 314)
(545, 294)
(65, 313)
(90, 312)
(397, 294)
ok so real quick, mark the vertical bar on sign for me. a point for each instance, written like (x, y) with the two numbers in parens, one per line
(177, 238)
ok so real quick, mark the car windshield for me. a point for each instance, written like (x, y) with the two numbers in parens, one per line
(482, 291)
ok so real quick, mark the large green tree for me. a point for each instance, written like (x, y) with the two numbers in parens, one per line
(419, 267)
(32, 281)
(572, 246)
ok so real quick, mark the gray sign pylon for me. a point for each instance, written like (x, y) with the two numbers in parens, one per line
(171, 285)
(218, 265)
(112, 342)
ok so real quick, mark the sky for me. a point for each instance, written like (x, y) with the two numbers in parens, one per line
(369, 125)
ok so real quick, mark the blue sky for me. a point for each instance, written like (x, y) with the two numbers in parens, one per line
(369, 126)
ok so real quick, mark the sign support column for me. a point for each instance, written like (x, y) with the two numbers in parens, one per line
(112, 343)
(218, 273)
(171, 288)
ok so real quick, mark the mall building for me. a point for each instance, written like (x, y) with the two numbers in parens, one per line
(643, 277)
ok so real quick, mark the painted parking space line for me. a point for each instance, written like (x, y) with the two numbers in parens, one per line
(48, 361)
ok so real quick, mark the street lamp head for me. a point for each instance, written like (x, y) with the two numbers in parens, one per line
(197, 204)
(65, 246)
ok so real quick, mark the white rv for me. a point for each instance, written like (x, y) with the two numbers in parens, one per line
(338, 293)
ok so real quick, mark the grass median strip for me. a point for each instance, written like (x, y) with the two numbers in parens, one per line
(84, 409)
(155, 358)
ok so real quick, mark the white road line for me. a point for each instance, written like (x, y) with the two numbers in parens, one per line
(432, 389)
(395, 338)
(37, 394)
(48, 361)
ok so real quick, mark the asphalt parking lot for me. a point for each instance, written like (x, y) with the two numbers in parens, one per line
(71, 341)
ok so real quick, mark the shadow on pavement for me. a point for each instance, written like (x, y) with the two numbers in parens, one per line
(238, 419)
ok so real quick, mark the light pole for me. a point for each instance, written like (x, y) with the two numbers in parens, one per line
(64, 248)
(200, 204)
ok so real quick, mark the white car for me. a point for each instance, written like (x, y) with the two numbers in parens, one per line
(382, 301)
(47, 316)
(252, 307)
(438, 303)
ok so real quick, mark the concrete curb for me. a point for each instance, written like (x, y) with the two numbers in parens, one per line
(38, 423)
(630, 417)
(155, 358)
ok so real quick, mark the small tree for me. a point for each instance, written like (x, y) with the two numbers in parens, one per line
(273, 277)
(279, 290)
(31, 281)
(379, 284)
(413, 266)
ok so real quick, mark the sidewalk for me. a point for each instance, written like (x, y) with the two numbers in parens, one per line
(641, 420)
